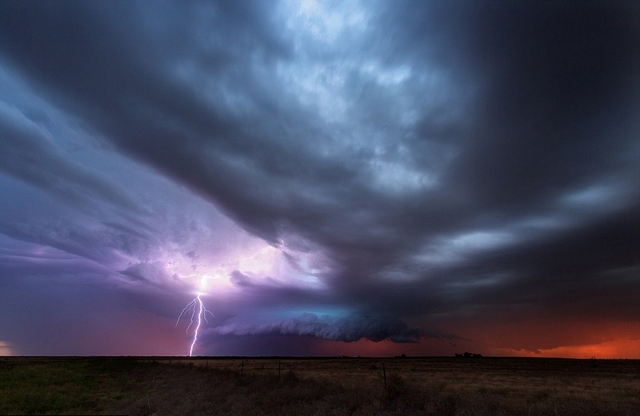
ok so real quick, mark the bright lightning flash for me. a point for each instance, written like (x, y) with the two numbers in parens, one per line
(196, 316)
(263, 262)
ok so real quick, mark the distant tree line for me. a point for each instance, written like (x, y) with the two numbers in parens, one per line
(468, 355)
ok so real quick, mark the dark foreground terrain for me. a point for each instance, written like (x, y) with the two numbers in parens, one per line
(337, 386)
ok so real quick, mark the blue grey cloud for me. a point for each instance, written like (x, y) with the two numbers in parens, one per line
(420, 165)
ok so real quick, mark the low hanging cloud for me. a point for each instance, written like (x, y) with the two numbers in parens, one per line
(347, 329)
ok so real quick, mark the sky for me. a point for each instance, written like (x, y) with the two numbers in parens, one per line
(367, 178)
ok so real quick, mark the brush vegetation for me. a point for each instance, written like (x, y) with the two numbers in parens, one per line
(337, 386)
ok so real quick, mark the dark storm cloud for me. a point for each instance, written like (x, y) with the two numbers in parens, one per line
(443, 155)
(349, 329)
(163, 122)
(558, 87)
(26, 153)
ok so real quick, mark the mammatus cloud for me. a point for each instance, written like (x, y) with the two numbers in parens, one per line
(435, 166)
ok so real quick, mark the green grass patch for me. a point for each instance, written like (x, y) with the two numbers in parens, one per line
(65, 386)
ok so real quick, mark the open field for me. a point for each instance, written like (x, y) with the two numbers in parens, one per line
(318, 386)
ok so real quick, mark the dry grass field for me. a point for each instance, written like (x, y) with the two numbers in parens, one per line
(318, 386)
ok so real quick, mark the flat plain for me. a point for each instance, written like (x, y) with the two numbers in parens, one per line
(318, 386)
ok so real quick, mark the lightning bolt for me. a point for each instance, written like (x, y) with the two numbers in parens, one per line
(198, 314)
(196, 307)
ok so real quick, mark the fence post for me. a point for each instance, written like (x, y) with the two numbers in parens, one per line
(384, 376)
